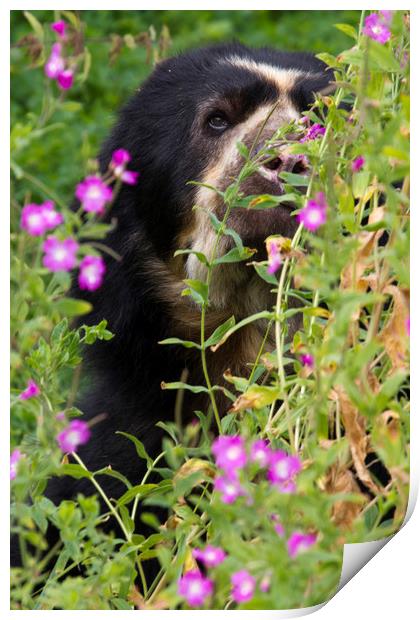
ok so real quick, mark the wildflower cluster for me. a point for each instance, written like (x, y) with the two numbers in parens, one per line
(241, 465)
(94, 194)
(59, 67)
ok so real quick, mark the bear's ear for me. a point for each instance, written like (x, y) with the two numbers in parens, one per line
(308, 89)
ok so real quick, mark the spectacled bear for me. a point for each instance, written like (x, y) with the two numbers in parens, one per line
(183, 124)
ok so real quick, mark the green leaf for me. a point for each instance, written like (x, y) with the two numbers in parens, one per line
(140, 449)
(261, 269)
(112, 473)
(297, 180)
(72, 307)
(329, 59)
(35, 24)
(140, 490)
(243, 150)
(348, 30)
(235, 255)
(265, 314)
(198, 290)
(188, 344)
(199, 255)
(219, 332)
(382, 57)
(178, 385)
(73, 470)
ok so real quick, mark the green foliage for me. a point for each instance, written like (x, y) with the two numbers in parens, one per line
(350, 405)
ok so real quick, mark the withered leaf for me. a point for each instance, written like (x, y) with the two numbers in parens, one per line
(394, 335)
(355, 428)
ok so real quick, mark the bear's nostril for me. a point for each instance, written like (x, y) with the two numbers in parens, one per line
(299, 167)
(273, 164)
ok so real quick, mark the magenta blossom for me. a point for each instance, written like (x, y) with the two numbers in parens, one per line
(195, 588)
(59, 255)
(129, 177)
(307, 360)
(93, 194)
(313, 132)
(260, 452)
(376, 28)
(59, 28)
(31, 391)
(274, 258)
(61, 416)
(65, 79)
(77, 433)
(210, 556)
(357, 163)
(314, 214)
(14, 460)
(230, 488)
(91, 274)
(282, 470)
(52, 218)
(243, 586)
(229, 452)
(36, 219)
(120, 158)
(32, 220)
(299, 542)
(55, 63)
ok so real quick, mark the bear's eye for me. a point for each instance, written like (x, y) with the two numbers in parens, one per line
(218, 122)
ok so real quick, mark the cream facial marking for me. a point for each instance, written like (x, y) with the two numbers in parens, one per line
(285, 79)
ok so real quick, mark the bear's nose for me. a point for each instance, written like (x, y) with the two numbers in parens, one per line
(286, 162)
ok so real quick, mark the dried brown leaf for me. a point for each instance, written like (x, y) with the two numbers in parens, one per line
(355, 427)
(341, 480)
(394, 335)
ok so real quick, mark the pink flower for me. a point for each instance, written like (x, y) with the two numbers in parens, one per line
(357, 163)
(14, 460)
(52, 218)
(299, 542)
(77, 433)
(31, 391)
(260, 452)
(282, 470)
(55, 63)
(93, 194)
(195, 588)
(278, 527)
(32, 220)
(91, 274)
(243, 586)
(59, 255)
(36, 219)
(210, 556)
(120, 157)
(229, 452)
(375, 27)
(60, 28)
(129, 177)
(61, 416)
(65, 79)
(274, 258)
(230, 488)
(313, 132)
(307, 360)
(314, 214)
